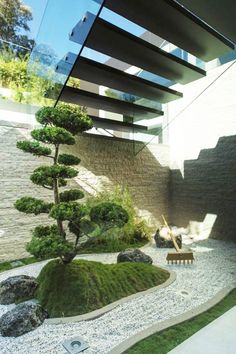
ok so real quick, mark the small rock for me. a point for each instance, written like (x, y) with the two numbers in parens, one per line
(133, 255)
(22, 319)
(18, 287)
(164, 242)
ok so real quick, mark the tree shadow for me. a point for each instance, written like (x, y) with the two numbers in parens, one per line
(107, 162)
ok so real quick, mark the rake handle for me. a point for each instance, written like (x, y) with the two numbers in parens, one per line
(171, 235)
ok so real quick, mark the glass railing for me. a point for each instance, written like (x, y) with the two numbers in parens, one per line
(57, 49)
(17, 97)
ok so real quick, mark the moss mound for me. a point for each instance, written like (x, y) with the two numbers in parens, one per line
(84, 286)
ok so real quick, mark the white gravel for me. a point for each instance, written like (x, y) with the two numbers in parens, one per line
(214, 268)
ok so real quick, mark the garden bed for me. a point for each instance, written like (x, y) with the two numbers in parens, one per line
(84, 286)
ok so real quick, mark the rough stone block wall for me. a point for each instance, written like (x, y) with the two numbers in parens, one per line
(105, 162)
(208, 187)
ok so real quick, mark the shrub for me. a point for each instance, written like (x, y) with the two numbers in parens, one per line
(136, 229)
(31, 205)
(108, 215)
(71, 195)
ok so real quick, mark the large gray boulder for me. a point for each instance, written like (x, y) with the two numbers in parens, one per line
(22, 319)
(164, 242)
(19, 287)
(133, 255)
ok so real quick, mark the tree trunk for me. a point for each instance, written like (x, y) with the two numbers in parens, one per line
(56, 193)
(67, 258)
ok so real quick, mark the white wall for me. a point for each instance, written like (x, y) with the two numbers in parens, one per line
(212, 115)
(17, 112)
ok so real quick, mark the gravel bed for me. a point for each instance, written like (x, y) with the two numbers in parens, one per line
(213, 269)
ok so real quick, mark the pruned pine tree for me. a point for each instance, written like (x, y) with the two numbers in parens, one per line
(59, 126)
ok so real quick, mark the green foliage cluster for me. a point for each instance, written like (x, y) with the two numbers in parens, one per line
(41, 178)
(50, 246)
(71, 195)
(109, 241)
(67, 159)
(26, 88)
(68, 211)
(108, 215)
(53, 135)
(31, 205)
(50, 241)
(136, 230)
(72, 118)
(34, 148)
(14, 18)
(41, 231)
(84, 286)
(55, 171)
(60, 124)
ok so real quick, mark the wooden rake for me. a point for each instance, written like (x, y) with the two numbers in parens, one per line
(178, 256)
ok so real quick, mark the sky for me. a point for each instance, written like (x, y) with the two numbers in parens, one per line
(53, 21)
(37, 7)
(79, 7)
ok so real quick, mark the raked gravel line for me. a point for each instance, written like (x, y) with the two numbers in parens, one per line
(214, 268)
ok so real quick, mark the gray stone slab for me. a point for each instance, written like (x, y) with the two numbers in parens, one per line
(216, 338)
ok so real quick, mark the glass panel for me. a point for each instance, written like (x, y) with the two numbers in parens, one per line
(15, 84)
(55, 42)
(61, 39)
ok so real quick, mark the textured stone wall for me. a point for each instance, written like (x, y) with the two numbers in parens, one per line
(105, 163)
(208, 187)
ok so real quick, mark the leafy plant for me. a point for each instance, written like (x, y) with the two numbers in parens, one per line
(26, 86)
(108, 215)
(136, 229)
(60, 124)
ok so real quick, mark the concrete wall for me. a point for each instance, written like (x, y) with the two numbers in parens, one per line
(202, 131)
(203, 115)
(105, 162)
(206, 195)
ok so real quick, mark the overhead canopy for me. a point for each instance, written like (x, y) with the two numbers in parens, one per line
(112, 124)
(106, 38)
(220, 14)
(174, 23)
(168, 20)
(89, 99)
(100, 74)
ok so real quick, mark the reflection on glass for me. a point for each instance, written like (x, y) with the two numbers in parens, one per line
(54, 41)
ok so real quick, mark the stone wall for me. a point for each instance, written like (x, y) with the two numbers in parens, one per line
(207, 191)
(105, 162)
(202, 130)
